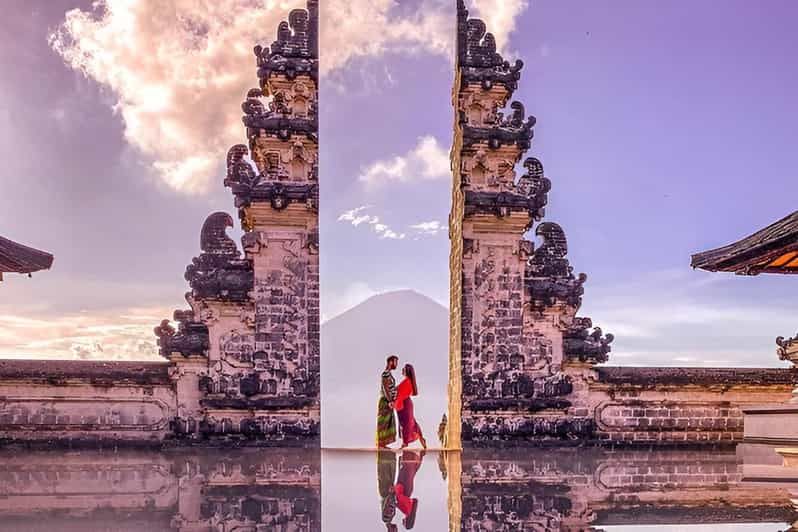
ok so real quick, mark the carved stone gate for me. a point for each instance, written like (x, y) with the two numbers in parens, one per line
(513, 304)
(246, 354)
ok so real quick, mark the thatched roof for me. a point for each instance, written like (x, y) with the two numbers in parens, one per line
(773, 249)
(16, 258)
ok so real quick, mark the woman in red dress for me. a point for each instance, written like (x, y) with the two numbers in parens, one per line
(410, 430)
(409, 464)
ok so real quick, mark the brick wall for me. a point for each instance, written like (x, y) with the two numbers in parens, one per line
(680, 405)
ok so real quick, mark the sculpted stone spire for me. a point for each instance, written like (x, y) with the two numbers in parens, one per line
(247, 353)
(516, 343)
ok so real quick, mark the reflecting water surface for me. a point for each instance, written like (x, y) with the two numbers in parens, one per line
(477, 490)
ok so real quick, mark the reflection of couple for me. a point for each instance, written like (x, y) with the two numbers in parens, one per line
(397, 398)
(400, 494)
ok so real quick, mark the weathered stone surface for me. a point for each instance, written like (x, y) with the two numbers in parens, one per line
(95, 372)
(82, 403)
(250, 370)
(662, 378)
(678, 406)
(513, 304)
(521, 361)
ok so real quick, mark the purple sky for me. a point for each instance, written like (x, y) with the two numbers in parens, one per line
(666, 129)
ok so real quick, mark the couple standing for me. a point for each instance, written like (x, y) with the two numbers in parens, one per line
(397, 398)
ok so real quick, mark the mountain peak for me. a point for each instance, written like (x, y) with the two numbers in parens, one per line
(405, 298)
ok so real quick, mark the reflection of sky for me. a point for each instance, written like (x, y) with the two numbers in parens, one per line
(663, 130)
(350, 499)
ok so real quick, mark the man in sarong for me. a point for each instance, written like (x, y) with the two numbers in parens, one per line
(386, 419)
(386, 477)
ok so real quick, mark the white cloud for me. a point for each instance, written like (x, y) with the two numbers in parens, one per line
(500, 17)
(179, 69)
(354, 217)
(682, 318)
(118, 335)
(428, 228)
(427, 160)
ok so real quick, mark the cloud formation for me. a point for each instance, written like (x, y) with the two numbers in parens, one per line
(356, 217)
(178, 70)
(427, 228)
(693, 324)
(108, 335)
(427, 160)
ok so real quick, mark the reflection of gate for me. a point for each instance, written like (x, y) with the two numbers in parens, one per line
(577, 489)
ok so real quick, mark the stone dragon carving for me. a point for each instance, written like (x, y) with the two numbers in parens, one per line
(219, 272)
(584, 345)
(549, 276)
(190, 338)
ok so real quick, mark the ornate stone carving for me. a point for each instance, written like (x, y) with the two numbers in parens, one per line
(256, 317)
(296, 49)
(522, 426)
(549, 276)
(514, 303)
(514, 130)
(579, 343)
(477, 57)
(219, 272)
(788, 348)
(191, 337)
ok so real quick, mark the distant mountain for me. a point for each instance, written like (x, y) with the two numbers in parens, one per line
(354, 347)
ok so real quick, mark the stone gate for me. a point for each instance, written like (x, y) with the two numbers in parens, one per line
(522, 364)
(242, 366)
(246, 353)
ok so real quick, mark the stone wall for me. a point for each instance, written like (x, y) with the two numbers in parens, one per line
(81, 403)
(680, 405)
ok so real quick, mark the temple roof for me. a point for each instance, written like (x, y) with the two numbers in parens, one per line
(16, 258)
(773, 249)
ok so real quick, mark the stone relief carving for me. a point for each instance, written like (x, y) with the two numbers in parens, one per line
(260, 310)
(518, 299)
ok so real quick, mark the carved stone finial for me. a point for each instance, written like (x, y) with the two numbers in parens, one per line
(535, 187)
(555, 245)
(214, 239)
(295, 50)
(580, 344)
(549, 275)
(164, 330)
(239, 172)
(191, 337)
(477, 55)
(219, 272)
(788, 348)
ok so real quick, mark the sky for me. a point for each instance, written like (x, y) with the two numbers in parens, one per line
(666, 129)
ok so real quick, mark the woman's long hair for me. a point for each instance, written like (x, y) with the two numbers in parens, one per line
(410, 373)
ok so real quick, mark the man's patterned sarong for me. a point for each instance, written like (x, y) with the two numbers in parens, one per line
(386, 423)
